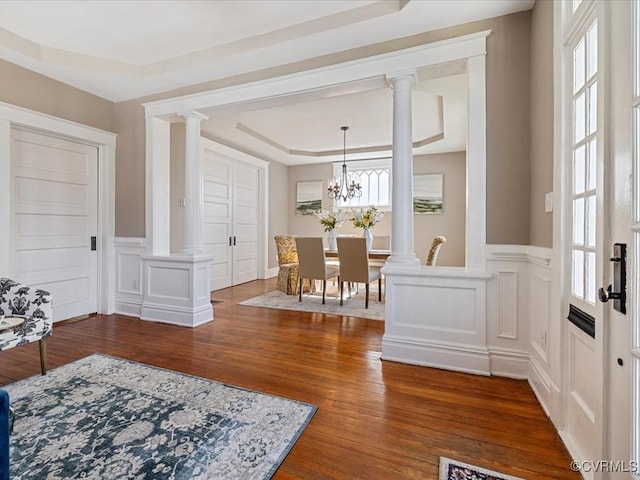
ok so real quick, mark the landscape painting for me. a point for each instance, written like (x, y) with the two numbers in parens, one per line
(308, 197)
(427, 193)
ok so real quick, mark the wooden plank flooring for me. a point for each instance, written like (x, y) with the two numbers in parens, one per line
(376, 419)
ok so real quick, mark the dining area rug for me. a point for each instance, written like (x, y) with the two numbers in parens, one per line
(312, 302)
(105, 418)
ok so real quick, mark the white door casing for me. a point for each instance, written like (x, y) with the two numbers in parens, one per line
(53, 217)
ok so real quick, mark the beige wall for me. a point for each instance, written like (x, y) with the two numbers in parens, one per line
(541, 223)
(508, 149)
(508, 186)
(22, 87)
(130, 170)
(451, 223)
(278, 223)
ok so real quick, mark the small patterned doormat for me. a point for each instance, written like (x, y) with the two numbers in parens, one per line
(103, 418)
(455, 470)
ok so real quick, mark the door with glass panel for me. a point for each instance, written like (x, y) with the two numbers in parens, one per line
(600, 388)
(585, 245)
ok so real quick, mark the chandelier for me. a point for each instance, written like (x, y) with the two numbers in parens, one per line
(344, 187)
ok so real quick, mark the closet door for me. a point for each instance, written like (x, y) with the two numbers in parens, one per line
(230, 216)
(245, 223)
(54, 215)
(217, 217)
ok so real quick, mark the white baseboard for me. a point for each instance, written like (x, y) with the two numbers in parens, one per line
(131, 309)
(271, 272)
(509, 363)
(462, 358)
(545, 390)
(177, 316)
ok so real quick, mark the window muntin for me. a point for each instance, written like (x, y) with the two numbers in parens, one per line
(583, 166)
(374, 178)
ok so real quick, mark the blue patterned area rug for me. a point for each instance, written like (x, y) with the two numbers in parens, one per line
(107, 418)
(455, 470)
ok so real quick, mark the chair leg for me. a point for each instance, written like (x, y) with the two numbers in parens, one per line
(324, 290)
(366, 299)
(341, 291)
(12, 417)
(379, 289)
(300, 290)
(43, 356)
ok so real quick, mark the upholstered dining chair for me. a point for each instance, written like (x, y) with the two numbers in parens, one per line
(432, 256)
(32, 304)
(312, 264)
(287, 263)
(355, 268)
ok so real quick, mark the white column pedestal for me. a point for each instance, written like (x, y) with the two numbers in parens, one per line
(177, 289)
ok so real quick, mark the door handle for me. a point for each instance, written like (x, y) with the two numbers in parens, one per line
(234, 240)
(229, 241)
(93, 243)
(618, 291)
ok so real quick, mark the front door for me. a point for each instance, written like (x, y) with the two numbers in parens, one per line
(53, 217)
(585, 245)
(622, 161)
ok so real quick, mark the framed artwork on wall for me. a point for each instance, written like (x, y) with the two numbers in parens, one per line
(308, 197)
(427, 193)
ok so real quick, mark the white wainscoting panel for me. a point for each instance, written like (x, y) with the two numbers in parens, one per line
(176, 289)
(507, 310)
(518, 307)
(508, 305)
(436, 317)
(128, 254)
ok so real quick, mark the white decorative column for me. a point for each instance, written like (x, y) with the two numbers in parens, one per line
(175, 287)
(157, 177)
(402, 253)
(193, 183)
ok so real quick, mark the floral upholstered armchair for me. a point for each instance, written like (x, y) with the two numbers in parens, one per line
(32, 304)
(432, 256)
(288, 263)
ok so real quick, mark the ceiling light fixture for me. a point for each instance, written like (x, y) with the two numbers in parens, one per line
(344, 187)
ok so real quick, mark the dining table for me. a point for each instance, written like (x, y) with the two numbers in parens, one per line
(374, 254)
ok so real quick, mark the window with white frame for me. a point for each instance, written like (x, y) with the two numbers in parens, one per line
(374, 176)
(583, 165)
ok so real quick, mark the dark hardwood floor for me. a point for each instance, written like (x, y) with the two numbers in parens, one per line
(375, 419)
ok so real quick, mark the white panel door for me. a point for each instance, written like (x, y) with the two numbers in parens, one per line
(230, 216)
(53, 217)
(245, 223)
(217, 216)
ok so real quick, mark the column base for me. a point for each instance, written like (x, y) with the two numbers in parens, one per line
(177, 289)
